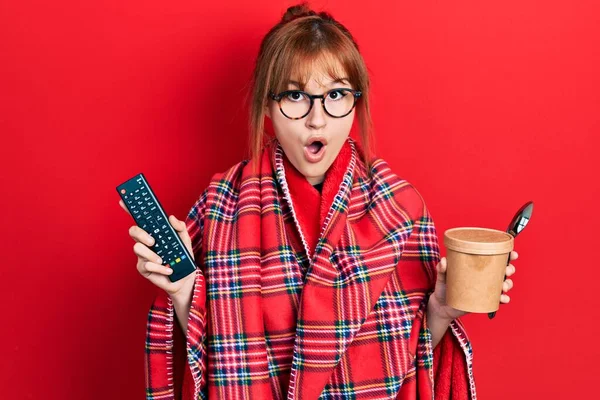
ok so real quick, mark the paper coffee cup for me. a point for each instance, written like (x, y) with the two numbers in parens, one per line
(477, 260)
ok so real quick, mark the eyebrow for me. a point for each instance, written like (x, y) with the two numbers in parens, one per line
(340, 80)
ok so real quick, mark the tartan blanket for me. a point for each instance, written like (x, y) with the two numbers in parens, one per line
(302, 296)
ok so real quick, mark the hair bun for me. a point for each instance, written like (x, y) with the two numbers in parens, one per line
(297, 11)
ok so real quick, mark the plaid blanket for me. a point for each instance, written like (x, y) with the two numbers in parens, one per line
(281, 312)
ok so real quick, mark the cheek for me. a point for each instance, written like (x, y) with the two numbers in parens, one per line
(285, 128)
(342, 126)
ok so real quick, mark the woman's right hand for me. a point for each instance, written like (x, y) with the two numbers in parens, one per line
(149, 264)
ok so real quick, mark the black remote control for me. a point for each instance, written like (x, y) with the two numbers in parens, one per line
(151, 217)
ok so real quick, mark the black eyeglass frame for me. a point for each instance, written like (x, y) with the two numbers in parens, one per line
(277, 97)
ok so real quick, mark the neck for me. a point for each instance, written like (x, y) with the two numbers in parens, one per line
(315, 180)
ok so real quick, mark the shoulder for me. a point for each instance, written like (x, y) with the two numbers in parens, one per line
(231, 175)
(222, 185)
(388, 183)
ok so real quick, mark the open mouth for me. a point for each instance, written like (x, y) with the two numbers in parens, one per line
(314, 151)
(315, 146)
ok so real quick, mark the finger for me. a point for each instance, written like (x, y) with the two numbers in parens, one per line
(504, 298)
(513, 255)
(510, 270)
(140, 235)
(144, 252)
(177, 224)
(161, 281)
(123, 206)
(157, 277)
(507, 285)
(157, 268)
(146, 268)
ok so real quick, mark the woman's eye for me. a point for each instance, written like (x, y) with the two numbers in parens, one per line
(336, 94)
(295, 96)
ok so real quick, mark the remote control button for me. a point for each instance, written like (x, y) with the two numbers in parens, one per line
(152, 217)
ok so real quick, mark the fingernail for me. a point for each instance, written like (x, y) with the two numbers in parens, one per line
(151, 240)
(159, 260)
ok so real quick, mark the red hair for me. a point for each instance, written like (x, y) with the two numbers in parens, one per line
(302, 40)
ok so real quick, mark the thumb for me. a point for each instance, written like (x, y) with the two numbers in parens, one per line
(182, 232)
(441, 270)
(177, 224)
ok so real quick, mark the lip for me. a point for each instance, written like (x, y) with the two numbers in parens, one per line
(315, 158)
(316, 139)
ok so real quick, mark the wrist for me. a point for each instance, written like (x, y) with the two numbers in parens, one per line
(183, 296)
(436, 310)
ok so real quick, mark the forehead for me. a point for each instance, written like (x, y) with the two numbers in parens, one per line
(321, 71)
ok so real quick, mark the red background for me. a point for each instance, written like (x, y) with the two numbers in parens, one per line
(481, 105)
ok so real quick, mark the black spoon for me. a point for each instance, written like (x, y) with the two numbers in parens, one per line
(518, 223)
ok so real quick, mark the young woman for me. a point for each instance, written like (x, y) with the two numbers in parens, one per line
(319, 271)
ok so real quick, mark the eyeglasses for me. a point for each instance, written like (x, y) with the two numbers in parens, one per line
(296, 104)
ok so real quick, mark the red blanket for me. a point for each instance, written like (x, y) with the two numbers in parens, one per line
(306, 295)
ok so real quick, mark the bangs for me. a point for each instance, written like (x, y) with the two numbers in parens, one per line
(321, 66)
(330, 55)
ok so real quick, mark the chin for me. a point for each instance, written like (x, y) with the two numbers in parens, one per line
(312, 171)
(306, 169)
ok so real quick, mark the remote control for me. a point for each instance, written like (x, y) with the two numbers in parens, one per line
(149, 215)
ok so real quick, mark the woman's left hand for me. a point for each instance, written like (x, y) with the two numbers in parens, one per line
(438, 298)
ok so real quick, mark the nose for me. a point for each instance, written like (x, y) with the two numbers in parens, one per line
(316, 119)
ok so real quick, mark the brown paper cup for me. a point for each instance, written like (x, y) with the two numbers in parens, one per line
(477, 260)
